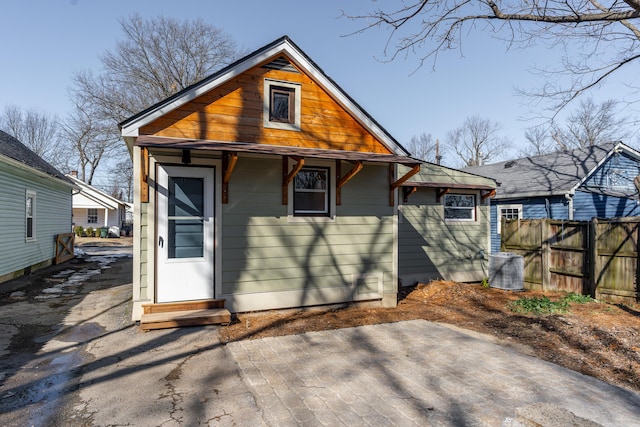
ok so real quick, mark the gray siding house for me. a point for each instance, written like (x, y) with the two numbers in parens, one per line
(36, 207)
(599, 181)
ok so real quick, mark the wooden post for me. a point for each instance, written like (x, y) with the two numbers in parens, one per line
(594, 268)
(545, 252)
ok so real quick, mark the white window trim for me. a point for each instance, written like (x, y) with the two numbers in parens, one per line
(97, 216)
(267, 98)
(30, 194)
(473, 211)
(292, 217)
(499, 214)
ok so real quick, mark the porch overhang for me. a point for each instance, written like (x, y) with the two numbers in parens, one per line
(233, 148)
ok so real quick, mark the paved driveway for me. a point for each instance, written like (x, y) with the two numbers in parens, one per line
(76, 359)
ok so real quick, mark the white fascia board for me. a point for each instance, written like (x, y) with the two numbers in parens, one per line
(573, 189)
(86, 200)
(12, 162)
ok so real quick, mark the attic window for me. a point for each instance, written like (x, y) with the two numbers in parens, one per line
(281, 108)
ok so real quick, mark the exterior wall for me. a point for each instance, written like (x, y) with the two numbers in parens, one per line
(236, 109)
(431, 248)
(589, 205)
(270, 262)
(53, 216)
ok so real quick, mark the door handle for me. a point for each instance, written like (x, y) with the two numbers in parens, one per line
(161, 242)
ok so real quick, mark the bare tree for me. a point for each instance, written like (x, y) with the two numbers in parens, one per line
(423, 147)
(36, 129)
(597, 38)
(91, 140)
(591, 124)
(477, 141)
(121, 182)
(538, 142)
(155, 59)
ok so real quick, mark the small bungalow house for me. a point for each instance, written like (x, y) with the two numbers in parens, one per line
(444, 225)
(599, 181)
(36, 207)
(264, 186)
(94, 208)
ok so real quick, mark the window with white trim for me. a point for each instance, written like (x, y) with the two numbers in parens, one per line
(281, 105)
(311, 192)
(30, 216)
(459, 207)
(508, 212)
(92, 216)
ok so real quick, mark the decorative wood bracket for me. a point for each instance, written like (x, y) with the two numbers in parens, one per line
(144, 175)
(287, 176)
(488, 194)
(341, 181)
(441, 192)
(229, 161)
(414, 170)
(407, 191)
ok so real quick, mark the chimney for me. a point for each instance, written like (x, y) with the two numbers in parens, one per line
(74, 174)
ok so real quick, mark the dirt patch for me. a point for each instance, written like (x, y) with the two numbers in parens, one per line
(597, 339)
(103, 242)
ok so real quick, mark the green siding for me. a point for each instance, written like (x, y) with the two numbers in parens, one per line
(144, 261)
(431, 248)
(53, 216)
(264, 252)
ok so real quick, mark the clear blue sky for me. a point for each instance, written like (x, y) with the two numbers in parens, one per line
(45, 41)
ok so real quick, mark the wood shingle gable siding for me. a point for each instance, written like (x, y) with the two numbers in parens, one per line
(233, 112)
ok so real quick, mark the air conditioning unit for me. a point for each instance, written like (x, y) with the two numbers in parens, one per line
(506, 271)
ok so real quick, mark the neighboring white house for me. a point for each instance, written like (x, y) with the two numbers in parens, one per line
(94, 208)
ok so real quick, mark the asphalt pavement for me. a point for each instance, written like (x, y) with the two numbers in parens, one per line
(71, 356)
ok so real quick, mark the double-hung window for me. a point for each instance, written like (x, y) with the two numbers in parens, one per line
(459, 207)
(311, 192)
(30, 216)
(92, 216)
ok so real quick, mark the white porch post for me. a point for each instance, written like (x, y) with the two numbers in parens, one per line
(106, 217)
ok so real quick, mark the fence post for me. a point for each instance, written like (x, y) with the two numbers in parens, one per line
(594, 268)
(545, 252)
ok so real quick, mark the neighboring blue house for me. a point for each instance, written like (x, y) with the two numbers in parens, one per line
(598, 181)
(36, 207)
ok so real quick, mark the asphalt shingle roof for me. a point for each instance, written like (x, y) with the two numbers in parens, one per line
(549, 174)
(11, 147)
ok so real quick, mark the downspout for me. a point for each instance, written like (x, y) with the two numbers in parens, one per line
(569, 197)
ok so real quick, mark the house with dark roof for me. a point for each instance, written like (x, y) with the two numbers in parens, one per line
(36, 207)
(599, 181)
(264, 186)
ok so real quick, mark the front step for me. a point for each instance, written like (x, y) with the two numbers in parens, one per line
(186, 313)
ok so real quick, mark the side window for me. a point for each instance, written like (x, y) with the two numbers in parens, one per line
(30, 216)
(508, 212)
(92, 216)
(311, 192)
(459, 207)
(281, 109)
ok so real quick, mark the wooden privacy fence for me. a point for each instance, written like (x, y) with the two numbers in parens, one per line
(597, 257)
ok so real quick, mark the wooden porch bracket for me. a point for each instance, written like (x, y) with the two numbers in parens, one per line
(407, 191)
(144, 175)
(488, 194)
(441, 192)
(414, 170)
(229, 161)
(287, 176)
(341, 181)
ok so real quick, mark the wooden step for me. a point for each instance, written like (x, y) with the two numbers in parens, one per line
(184, 313)
(176, 319)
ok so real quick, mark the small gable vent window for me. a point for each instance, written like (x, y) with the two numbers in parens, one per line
(281, 105)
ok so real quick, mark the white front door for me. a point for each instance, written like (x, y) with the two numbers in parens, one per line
(185, 240)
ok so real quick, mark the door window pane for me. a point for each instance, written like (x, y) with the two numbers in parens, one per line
(186, 235)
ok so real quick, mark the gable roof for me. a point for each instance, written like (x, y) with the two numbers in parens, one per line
(96, 195)
(283, 45)
(552, 174)
(14, 151)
